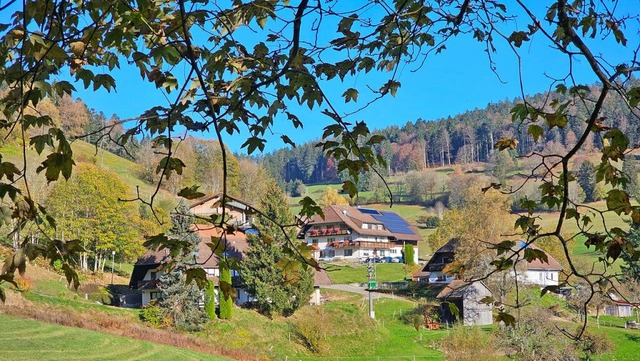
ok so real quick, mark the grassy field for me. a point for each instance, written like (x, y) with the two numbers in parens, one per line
(355, 272)
(23, 340)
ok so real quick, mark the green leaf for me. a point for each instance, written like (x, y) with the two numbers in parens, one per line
(55, 164)
(535, 131)
(531, 254)
(618, 201)
(310, 208)
(508, 319)
(350, 95)
(190, 192)
(547, 289)
(198, 275)
(518, 37)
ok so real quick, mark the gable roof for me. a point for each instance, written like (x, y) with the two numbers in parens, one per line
(458, 288)
(236, 245)
(397, 225)
(431, 265)
(321, 278)
(354, 218)
(538, 264)
(216, 201)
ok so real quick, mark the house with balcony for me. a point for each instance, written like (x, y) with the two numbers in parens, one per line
(434, 270)
(353, 233)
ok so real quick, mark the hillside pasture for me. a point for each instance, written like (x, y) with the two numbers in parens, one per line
(24, 340)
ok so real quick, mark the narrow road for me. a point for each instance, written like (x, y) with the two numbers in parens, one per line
(354, 288)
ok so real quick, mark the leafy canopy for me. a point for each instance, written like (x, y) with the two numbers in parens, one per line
(253, 64)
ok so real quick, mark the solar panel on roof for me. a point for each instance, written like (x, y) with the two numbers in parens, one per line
(393, 222)
(368, 211)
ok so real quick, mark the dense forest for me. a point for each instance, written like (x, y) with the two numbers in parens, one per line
(461, 139)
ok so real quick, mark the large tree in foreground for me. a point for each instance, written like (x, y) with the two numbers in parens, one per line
(223, 67)
(179, 301)
(262, 269)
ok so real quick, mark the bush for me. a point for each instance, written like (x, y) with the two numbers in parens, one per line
(595, 344)
(210, 301)
(429, 221)
(152, 314)
(24, 284)
(408, 254)
(57, 266)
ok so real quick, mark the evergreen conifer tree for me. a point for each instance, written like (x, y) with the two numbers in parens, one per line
(226, 301)
(180, 302)
(409, 254)
(263, 274)
(587, 179)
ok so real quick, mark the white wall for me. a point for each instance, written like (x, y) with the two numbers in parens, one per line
(146, 297)
(433, 277)
(542, 277)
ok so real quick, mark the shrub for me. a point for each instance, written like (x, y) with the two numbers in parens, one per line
(152, 314)
(595, 344)
(210, 302)
(226, 301)
(57, 266)
(24, 284)
(408, 254)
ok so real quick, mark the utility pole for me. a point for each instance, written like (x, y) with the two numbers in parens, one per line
(113, 261)
(371, 273)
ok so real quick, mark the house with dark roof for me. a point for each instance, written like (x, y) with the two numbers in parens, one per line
(353, 233)
(538, 272)
(467, 299)
(434, 270)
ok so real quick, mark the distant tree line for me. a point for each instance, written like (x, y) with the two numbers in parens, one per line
(461, 139)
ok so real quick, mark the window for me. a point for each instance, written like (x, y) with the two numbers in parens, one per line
(314, 241)
(331, 239)
(348, 252)
(152, 274)
(365, 226)
(154, 295)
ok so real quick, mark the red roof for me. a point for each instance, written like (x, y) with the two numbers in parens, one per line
(538, 264)
(234, 244)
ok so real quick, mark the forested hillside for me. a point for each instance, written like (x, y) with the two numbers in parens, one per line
(461, 139)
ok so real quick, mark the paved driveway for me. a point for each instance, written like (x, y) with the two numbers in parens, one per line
(354, 288)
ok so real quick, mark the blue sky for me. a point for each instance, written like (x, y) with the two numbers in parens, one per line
(456, 80)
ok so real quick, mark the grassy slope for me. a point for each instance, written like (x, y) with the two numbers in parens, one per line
(85, 152)
(24, 340)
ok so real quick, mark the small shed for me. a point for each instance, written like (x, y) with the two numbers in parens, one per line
(467, 298)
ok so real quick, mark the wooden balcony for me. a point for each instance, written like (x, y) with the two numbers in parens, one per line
(360, 244)
(327, 232)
